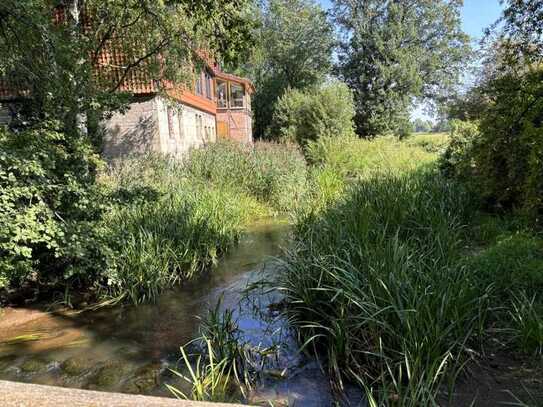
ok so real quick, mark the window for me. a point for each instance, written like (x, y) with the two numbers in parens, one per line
(208, 85)
(222, 101)
(198, 86)
(236, 95)
(170, 122)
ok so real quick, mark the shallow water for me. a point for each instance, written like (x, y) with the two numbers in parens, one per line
(131, 349)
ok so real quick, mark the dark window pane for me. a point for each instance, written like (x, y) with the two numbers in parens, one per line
(236, 95)
(221, 95)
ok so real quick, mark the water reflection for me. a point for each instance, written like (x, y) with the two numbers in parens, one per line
(129, 349)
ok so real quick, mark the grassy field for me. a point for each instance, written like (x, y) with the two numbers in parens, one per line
(397, 281)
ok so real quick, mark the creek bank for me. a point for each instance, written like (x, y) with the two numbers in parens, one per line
(130, 349)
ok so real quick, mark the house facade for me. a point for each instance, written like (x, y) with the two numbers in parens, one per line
(171, 119)
(174, 121)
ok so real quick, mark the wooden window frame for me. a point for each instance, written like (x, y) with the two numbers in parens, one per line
(231, 98)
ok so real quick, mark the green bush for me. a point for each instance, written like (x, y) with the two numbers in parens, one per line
(49, 209)
(502, 156)
(458, 159)
(304, 115)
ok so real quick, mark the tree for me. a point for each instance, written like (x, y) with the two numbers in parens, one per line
(305, 115)
(294, 50)
(503, 158)
(51, 49)
(422, 126)
(395, 51)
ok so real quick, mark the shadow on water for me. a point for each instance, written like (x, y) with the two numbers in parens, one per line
(130, 349)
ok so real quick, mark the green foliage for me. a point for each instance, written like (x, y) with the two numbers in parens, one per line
(457, 160)
(527, 322)
(502, 155)
(509, 156)
(174, 219)
(422, 126)
(513, 263)
(294, 50)
(54, 61)
(305, 115)
(171, 240)
(49, 209)
(389, 57)
(374, 283)
(274, 174)
(432, 143)
(357, 158)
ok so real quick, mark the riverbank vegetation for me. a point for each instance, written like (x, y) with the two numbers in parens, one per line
(413, 257)
(401, 280)
(146, 224)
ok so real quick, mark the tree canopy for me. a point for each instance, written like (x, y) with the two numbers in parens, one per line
(294, 50)
(393, 52)
(51, 49)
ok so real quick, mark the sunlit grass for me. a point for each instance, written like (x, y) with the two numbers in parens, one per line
(174, 219)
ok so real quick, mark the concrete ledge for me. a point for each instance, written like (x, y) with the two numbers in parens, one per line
(13, 394)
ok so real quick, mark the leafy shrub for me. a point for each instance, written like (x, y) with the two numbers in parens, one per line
(502, 156)
(458, 159)
(49, 209)
(304, 115)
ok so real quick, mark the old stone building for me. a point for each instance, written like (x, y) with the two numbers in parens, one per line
(175, 119)
(172, 122)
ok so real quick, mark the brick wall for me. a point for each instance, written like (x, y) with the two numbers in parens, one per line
(239, 124)
(182, 127)
(159, 125)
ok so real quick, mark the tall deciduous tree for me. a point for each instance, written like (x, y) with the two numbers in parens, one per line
(395, 51)
(52, 49)
(295, 43)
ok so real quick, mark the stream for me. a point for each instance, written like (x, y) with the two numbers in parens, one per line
(131, 349)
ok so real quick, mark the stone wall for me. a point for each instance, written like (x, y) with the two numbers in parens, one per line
(135, 131)
(182, 127)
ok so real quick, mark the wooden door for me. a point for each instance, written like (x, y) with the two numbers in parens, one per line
(222, 129)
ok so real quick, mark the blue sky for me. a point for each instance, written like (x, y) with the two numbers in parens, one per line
(476, 16)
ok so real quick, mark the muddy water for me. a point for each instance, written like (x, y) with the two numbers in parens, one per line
(131, 349)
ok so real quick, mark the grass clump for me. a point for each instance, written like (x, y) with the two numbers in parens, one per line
(274, 174)
(171, 220)
(224, 366)
(374, 282)
(357, 158)
(430, 142)
(396, 278)
(513, 263)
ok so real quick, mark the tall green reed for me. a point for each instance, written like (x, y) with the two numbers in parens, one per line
(374, 283)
